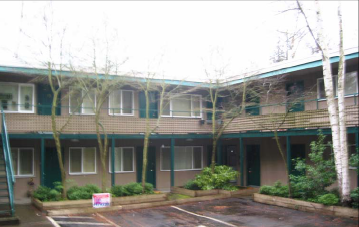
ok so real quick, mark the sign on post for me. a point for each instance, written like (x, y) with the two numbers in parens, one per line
(101, 200)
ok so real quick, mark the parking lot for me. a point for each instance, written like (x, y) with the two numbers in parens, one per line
(226, 212)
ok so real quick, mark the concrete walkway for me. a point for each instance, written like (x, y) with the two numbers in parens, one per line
(30, 216)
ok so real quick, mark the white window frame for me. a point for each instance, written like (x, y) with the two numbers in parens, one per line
(175, 160)
(80, 113)
(121, 106)
(133, 160)
(19, 163)
(335, 83)
(82, 162)
(19, 85)
(192, 111)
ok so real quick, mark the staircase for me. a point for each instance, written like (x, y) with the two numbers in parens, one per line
(7, 179)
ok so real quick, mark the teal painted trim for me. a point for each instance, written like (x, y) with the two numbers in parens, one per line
(293, 68)
(113, 162)
(44, 72)
(42, 160)
(241, 160)
(289, 155)
(357, 149)
(219, 152)
(172, 164)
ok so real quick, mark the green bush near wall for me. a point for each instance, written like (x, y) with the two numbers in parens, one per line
(131, 189)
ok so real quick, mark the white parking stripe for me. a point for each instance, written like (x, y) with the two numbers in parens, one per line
(52, 221)
(80, 223)
(77, 217)
(107, 220)
(213, 219)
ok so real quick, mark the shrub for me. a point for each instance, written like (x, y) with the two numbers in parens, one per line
(220, 179)
(318, 175)
(328, 199)
(277, 190)
(191, 185)
(354, 195)
(132, 189)
(117, 190)
(84, 192)
(44, 194)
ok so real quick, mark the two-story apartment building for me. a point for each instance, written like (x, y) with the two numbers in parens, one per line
(246, 145)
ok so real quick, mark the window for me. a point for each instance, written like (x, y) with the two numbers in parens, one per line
(350, 85)
(17, 97)
(121, 103)
(82, 102)
(124, 160)
(23, 161)
(82, 160)
(186, 158)
(183, 106)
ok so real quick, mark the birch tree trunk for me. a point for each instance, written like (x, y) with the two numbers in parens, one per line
(329, 92)
(345, 187)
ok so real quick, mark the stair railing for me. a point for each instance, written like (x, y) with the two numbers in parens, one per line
(10, 177)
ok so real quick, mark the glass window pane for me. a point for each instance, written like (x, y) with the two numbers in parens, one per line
(75, 101)
(165, 159)
(351, 83)
(127, 102)
(115, 102)
(183, 158)
(127, 159)
(189, 158)
(26, 162)
(118, 158)
(182, 106)
(26, 98)
(88, 102)
(89, 160)
(75, 160)
(9, 96)
(15, 159)
(166, 107)
(335, 85)
(196, 106)
(197, 156)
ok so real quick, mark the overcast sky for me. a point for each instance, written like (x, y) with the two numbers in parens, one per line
(177, 38)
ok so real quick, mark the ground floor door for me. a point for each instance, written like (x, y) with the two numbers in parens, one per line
(52, 168)
(151, 165)
(298, 151)
(253, 165)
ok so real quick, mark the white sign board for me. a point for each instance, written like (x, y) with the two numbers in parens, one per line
(101, 200)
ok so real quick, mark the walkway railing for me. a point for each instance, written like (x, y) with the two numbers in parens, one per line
(10, 177)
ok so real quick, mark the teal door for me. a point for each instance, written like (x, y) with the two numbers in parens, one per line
(153, 110)
(52, 169)
(44, 100)
(151, 165)
(297, 151)
(253, 165)
(295, 92)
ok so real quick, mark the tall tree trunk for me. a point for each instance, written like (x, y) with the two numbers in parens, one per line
(329, 91)
(56, 136)
(342, 124)
(145, 142)
(214, 137)
(103, 150)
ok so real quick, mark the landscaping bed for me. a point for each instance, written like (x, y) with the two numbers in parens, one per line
(307, 206)
(87, 203)
(242, 191)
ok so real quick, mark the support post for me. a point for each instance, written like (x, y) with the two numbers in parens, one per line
(289, 156)
(357, 149)
(241, 160)
(219, 152)
(172, 164)
(113, 161)
(42, 175)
